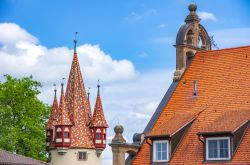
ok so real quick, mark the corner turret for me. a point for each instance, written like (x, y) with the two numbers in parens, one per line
(62, 126)
(99, 124)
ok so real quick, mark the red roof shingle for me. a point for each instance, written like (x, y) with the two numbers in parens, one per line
(98, 116)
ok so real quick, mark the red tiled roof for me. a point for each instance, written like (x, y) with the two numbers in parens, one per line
(175, 123)
(63, 116)
(8, 158)
(88, 112)
(53, 113)
(98, 116)
(75, 97)
(229, 122)
(223, 80)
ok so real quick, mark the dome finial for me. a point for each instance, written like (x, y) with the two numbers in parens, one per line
(98, 86)
(75, 41)
(62, 84)
(88, 92)
(55, 89)
(192, 7)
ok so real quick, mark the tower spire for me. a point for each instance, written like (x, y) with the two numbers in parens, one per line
(54, 111)
(98, 116)
(62, 91)
(88, 92)
(75, 41)
(98, 88)
(55, 90)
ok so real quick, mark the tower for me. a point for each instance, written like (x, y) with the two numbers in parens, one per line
(70, 138)
(191, 37)
(99, 124)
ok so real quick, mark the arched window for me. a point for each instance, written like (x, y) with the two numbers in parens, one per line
(190, 37)
(98, 134)
(66, 132)
(59, 133)
(201, 42)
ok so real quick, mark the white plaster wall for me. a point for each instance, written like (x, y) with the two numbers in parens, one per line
(70, 158)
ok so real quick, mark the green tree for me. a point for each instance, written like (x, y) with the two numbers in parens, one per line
(22, 117)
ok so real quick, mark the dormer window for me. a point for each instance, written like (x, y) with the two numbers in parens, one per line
(161, 151)
(218, 148)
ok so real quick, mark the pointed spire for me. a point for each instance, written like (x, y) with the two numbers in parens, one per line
(75, 41)
(98, 88)
(54, 111)
(88, 112)
(88, 92)
(98, 116)
(77, 107)
(63, 118)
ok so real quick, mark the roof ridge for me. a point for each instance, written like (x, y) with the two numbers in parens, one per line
(232, 48)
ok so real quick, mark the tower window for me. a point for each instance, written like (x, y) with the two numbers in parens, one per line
(98, 135)
(82, 155)
(218, 148)
(66, 134)
(59, 135)
(189, 37)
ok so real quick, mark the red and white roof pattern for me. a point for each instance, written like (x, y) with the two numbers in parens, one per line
(81, 136)
(88, 112)
(53, 113)
(75, 110)
(63, 116)
(98, 116)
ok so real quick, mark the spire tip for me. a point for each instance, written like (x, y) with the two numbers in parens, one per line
(75, 41)
(98, 86)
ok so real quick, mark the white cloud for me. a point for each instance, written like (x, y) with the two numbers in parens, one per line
(12, 33)
(21, 56)
(206, 16)
(226, 38)
(136, 16)
(162, 26)
(143, 54)
(128, 96)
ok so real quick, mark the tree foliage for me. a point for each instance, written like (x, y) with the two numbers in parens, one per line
(22, 117)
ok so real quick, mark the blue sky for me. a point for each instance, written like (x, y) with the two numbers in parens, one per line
(128, 45)
(124, 29)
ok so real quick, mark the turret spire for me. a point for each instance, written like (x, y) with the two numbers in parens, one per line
(62, 91)
(98, 88)
(54, 111)
(63, 117)
(98, 116)
(77, 106)
(88, 92)
(75, 41)
(55, 91)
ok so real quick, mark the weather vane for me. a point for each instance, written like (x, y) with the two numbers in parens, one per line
(62, 80)
(75, 41)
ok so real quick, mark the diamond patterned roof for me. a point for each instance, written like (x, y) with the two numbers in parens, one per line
(98, 116)
(53, 113)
